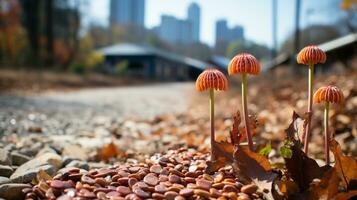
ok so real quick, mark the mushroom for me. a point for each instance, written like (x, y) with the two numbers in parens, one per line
(328, 94)
(212, 79)
(244, 64)
(310, 55)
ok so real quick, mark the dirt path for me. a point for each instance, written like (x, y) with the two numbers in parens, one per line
(87, 106)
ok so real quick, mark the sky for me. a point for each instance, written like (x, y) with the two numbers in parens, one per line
(254, 15)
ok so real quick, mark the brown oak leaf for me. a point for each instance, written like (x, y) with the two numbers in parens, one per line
(346, 167)
(300, 167)
(255, 167)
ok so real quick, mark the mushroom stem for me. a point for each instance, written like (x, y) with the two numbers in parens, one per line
(211, 103)
(309, 110)
(245, 111)
(327, 135)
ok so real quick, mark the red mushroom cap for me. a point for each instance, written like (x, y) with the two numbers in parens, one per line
(330, 94)
(211, 79)
(311, 55)
(244, 63)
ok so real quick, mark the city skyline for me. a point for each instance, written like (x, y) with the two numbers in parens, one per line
(254, 16)
(180, 31)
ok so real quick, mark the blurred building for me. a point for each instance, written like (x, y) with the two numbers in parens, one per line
(151, 63)
(127, 12)
(226, 34)
(180, 31)
(193, 15)
(175, 30)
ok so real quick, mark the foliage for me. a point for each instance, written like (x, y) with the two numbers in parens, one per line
(265, 151)
(299, 180)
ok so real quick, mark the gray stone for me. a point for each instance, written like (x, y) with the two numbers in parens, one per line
(79, 164)
(66, 160)
(4, 180)
(49, 162)
(76, 152)
(6, 171)
(97, 165)
(5, 158)
(13, 191)
(18, 158)
(26, 176)
(45, 150)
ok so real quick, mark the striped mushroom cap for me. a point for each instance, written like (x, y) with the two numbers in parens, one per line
(244, 63)
(211, 79)
(330, 94)
(311, 55)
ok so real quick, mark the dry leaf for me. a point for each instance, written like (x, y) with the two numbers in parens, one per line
(41, 176)
(346, 167)
(108, 151)
(326, 188)
(255, 167)
(224, 155)
(252, 123)
(346, 195)
(287, 188)
(301, 168)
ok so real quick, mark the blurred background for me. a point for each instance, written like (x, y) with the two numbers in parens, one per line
(124, 70)
(167, 39)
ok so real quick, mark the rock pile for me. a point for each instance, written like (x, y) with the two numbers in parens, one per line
(178, 174)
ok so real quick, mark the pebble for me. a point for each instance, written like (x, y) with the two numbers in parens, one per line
(156, 169)
(151, 179)
(6, 171)
(5, 158)
(203, 184)
(4, 180)
(123, 190)
(18, 158)
(170, 179)
(249, 189)
(13, 191)
(201, 193)
(141, 193)
(170, 195)
(243, 196)
(174, 178)
(78, 164)
(186, 192)
(27, 173)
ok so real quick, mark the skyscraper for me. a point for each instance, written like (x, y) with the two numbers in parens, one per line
(175, 30)
(127, 12)
(226, 34)
(193, 16)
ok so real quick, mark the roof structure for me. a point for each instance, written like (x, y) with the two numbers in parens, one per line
(327, 47)
(130, 49)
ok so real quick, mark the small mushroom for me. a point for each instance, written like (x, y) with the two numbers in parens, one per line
(310, 55)
(244, 64)
(328, 94)
(212, 79)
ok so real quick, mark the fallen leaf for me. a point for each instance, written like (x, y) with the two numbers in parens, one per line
(108, 151)
(255, 167)
(252, 123)
(326, 188)
(41, 176)
(286, 188)
(224, 156)
(300, 167)
(346, 195)
(346, 167)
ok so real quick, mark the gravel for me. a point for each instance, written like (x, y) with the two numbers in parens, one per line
(148, 179)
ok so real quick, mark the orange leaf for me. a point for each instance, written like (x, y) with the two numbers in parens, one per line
(346, 166)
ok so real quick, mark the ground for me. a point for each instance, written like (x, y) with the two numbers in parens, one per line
(91, 128)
